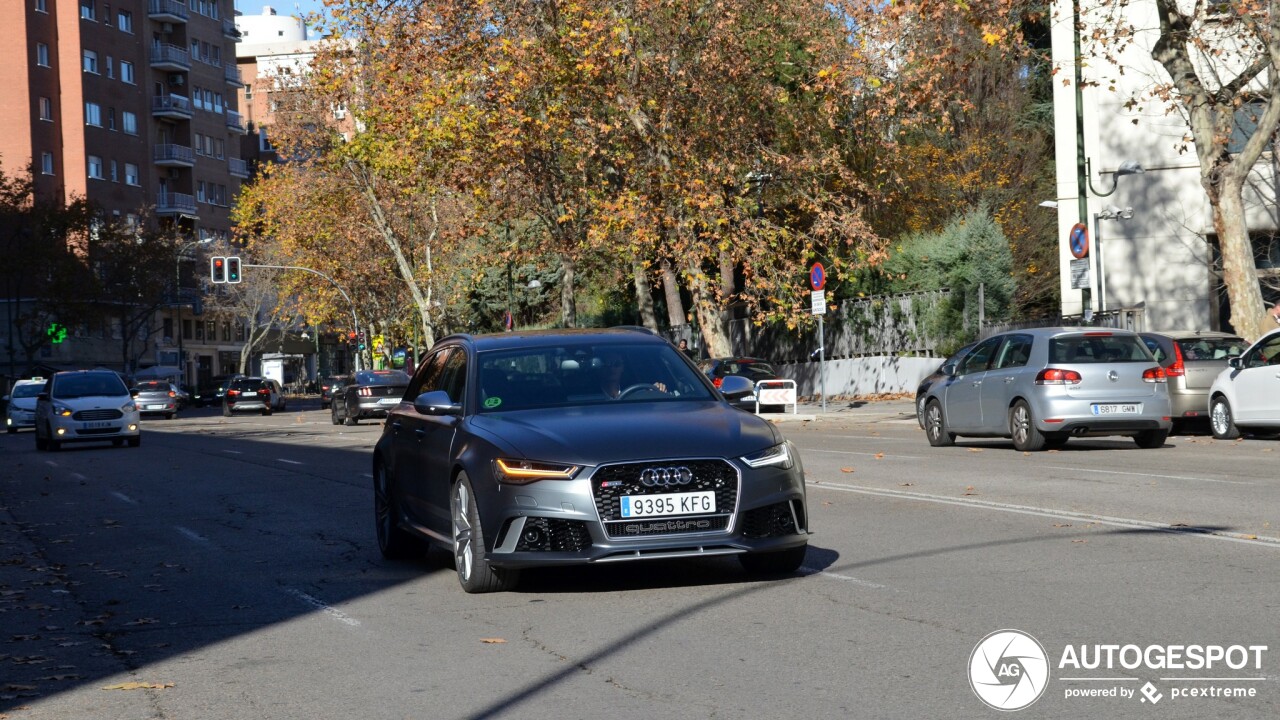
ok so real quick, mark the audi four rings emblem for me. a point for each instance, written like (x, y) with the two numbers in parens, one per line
(666, 476)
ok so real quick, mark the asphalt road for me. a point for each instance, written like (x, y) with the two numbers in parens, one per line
(230, 565)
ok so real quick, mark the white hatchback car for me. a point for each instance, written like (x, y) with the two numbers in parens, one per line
(86, 405)
(1246, 395)
(20, 404)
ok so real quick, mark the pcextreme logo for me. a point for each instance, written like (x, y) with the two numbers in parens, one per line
(1008, 670)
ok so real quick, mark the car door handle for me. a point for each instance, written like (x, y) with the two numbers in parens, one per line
(395, 426)
(420, 433)
(976, 383)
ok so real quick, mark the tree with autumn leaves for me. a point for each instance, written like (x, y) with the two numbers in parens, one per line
(705, 147)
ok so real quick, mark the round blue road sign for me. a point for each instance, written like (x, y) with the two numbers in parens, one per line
(1079, 239)
(818, 276)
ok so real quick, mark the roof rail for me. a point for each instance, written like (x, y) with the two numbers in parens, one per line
(634, 328)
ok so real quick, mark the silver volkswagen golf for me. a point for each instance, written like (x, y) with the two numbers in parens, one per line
(1042, 386)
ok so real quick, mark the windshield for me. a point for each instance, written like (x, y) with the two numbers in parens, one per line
(1098, 348)
(95, 385)
(152, 387)
(27, 391)
(581, 374)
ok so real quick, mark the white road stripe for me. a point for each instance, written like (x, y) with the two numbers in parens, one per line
(1150, 475)
(78, 476)
(125, 498)
(1055, 514)
(192, 534)
(50, 463)
(233, 452)
(806, 570)
(291, 462)
(320, 605)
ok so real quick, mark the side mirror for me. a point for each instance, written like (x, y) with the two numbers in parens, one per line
(1234, 362)
(133, 392)
(42, 396)
(436, 402)
(948, 369)
(736, 387)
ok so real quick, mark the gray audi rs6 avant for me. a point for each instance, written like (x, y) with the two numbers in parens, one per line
(567, 447)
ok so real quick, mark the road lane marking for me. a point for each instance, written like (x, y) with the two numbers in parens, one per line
(125, 498)
(1055, 514)
(1150, 475)
(806, 570)
(868, 454)
(50, 463)
(78, 476)
(323, 607)
(233, 452)
(291, 462)
(192, 535)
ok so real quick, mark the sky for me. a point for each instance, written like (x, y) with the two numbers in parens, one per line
(283, 7)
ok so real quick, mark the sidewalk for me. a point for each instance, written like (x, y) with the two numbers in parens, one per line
(866, 410)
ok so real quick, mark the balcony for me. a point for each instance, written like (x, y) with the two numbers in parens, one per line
(235, 123)
(229, 30)
(172, 106)
(237, 167)
(169, 57)
(167, 11)
(173, 156)
(232, 73)
(172, 203)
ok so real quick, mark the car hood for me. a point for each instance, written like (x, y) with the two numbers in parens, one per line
(94, 402)
(597, 434)
(27, 404)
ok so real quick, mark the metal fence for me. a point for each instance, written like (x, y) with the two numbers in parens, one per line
(1123, 319)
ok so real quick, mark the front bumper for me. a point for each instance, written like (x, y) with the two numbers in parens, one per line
(17, 418)
(66, 429)
(576, 522)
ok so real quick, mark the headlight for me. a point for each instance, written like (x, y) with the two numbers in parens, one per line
(523, 472)
(62, 410)
(777, 455)
(129, 407)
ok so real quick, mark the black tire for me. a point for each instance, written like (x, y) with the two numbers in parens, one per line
(135, 441)
(169, 416)
(266, 410)
(1221, 420)
(333, 416)
(226, 410)
(351, 420)
(474, 572)
(1151, 439)
(777, 562)
(13, 430)
(935, 425)
(393, 542)
(1022, 428)
(1056, 441)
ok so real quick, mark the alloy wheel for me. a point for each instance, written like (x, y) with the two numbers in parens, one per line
(463, 551)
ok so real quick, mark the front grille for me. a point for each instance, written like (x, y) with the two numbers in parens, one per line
(554, 535)
(610, 483)
(769, 521)
(98, 415)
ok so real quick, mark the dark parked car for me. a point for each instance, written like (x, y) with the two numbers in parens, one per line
(253, 394)
(945, 370)
(331, 387)
(157, 397)
(1192, 360)
(517, 452)
(753, 369)
(211, 391)
(369, 394)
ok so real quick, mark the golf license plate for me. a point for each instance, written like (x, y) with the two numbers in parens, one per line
(155, 407)
(637, 506)
(1117, 409)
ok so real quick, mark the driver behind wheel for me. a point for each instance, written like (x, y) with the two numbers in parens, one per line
(614, 378)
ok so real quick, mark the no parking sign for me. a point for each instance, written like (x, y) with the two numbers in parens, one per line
(1079, 240)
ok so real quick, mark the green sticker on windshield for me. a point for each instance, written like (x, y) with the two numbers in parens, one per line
(492, 402)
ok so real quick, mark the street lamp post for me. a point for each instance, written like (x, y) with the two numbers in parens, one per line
(1110, 213)
(177, 296)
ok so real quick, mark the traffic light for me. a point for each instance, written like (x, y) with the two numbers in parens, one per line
(218, 269)
(233, 269)
(362, 345)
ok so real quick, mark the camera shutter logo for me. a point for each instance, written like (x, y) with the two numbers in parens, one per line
(1008, 670)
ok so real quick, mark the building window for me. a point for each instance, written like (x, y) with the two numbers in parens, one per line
(87, 11)
(219, 147)
(130, 123)
(131, 174)
(200, 191)
(93, 114)
(248, 91)
(95, 167)
(90, 62)
(115, 174)
(240, 332)
(46, 163)
(226, 331)
(42, 55)
(124, 21)
(42, 6)
(46, 109)
(186, 329)
(126, 72)
(211, 330)
(199, 330)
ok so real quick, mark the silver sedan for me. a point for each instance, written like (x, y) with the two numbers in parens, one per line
(1042, 386)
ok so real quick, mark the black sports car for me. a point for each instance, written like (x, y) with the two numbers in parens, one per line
(566, 447)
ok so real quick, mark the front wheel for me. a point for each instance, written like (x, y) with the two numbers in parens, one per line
(1221, 420)
(777, 562)
(935, 426)
(474, 572)
(1022, 428)
(1151, 439)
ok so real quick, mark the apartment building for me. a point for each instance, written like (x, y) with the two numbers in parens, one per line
(131, 104)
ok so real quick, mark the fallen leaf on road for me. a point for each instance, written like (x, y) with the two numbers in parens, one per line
(1062, 524)
(492, 641)
(976, 449)
(879, 456)
(846, 470)
(1250, 537)
(906, 484)
(143, 621)
(138, 686)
